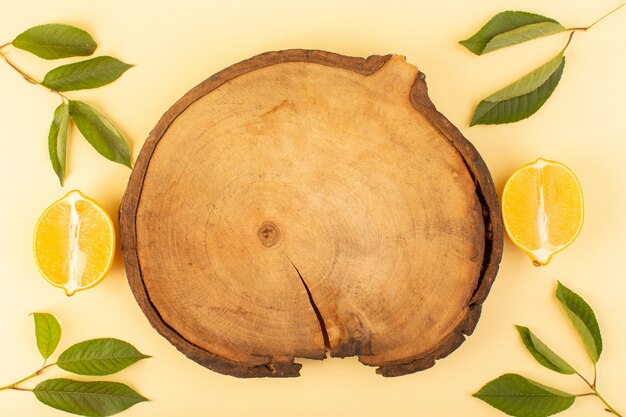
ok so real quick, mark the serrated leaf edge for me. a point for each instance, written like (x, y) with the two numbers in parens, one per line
(490, 47)
(469, 41)
(534, 79)
(479, 113)
(108, 124)
(594, 350)
(538, 348)
(551, 390)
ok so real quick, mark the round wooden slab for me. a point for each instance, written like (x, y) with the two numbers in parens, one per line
(303, 202)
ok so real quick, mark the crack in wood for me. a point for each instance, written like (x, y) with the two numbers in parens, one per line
(318, 314)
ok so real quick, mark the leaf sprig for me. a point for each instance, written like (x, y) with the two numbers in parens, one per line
(522, 397)
(55, 41)
(92, 357)
(522, 98)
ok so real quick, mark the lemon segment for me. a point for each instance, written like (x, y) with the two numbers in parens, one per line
(74, 243)
(542, 209)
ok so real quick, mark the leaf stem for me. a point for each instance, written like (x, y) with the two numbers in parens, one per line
(595, 392)
(16, 68)
(586, 381)
(43, 368)
(5, 45)
(27, 77)
(608, 406)
(13, 385)
(584, 29)
(569, 40)
(34, 374)
(21, 389)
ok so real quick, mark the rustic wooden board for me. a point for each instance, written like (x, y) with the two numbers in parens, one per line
(303, 202)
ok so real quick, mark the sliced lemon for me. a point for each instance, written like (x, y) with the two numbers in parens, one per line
(542, 209)
(74, 243)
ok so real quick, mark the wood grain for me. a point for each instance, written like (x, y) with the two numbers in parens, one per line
(303, 202)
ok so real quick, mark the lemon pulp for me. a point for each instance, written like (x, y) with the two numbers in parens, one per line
(74, 243)
(542, 208)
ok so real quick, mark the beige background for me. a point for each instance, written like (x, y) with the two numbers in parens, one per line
(178, 44)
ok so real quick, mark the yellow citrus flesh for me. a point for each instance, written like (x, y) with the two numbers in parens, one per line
(542, 209)
(74, 243)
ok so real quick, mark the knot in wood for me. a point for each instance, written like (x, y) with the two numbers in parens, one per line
(269, 234)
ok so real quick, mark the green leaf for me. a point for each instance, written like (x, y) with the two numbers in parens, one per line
(522, 98)
(100, 132)
(87, 398)
(542, 353)
(99, 357)
(522, 397)
(57, 140)
(92, 73)
(584, 320)
(529, 82)
(523, 34)
(510, 28)
(47, 333)
(55, 41)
